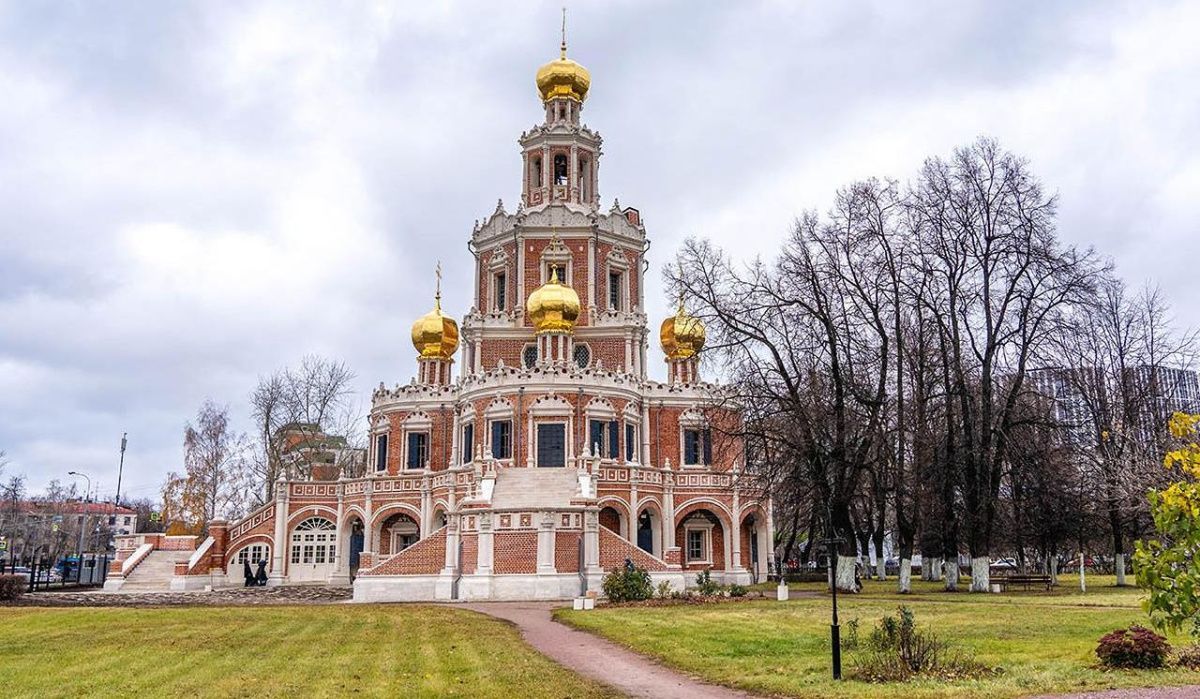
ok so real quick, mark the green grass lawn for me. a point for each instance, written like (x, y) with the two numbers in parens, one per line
(328, 650)
(1044, 642)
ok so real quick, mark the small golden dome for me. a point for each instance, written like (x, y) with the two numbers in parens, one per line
(435, 335)
(682, 335)
(563, 78)
(553, 307)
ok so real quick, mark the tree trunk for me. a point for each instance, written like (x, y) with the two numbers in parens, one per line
(880, 563)
(980, 574)
(1119, 566)
(937, 568)
(926, 568)
(905, 585)
(1053, 569)
(950, 570)
(845, 573)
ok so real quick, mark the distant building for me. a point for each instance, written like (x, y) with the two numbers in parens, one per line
(36, 522)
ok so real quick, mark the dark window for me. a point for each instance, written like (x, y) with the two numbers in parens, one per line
(630, 442)
(501, 291)
(603, 438)
(468, 443)
(529, 356)
(697, 447)
(560, 169)
(695, 545)
(502, 439)
(537, 172)
(418, 450)
(583, 356)
(614, 291)
(552, 445)
(381, 452)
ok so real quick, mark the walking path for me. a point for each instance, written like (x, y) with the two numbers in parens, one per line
(597, 658)
(1187, 692)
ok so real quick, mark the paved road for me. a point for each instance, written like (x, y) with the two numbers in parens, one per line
(597, 658)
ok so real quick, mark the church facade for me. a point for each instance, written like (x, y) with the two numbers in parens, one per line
(543, 456)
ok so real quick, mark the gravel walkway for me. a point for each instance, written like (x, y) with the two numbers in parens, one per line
(597, 658)
(225, 597)
(1190, 692)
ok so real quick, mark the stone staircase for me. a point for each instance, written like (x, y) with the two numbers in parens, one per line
(535, 488)
(155, 571)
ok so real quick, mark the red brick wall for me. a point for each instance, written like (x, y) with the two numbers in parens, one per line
(470, 553)
(566, 552)
(426, 557)
(610, 518)
(718, 547)
(579, 271)
(441, 436)
(514, 552)
(614, 550)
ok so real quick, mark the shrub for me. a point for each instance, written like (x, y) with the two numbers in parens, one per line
(706, 585)
(850, 640)
(11, 587)
(1134, 647)
(897, 651)
(1187, 657)
(737, 590)
(664, 590)
(628, 584)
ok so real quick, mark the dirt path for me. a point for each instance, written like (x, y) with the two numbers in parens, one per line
(1189, 692)
(597, 658)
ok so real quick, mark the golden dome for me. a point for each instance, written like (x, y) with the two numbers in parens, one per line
(682, 335)
(553, 307)
(435, 335)
(563, 78)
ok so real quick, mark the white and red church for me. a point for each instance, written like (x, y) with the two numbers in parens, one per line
(551, 457)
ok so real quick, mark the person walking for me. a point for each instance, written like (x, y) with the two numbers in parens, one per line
(261, 576)
(248, 573)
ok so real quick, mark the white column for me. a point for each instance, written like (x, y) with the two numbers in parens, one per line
(545, 545)
(633, 508)
(369, 513)
(281, 539)
(484, 567)
(736, 535)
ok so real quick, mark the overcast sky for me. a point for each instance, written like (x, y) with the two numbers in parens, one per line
(194, 194)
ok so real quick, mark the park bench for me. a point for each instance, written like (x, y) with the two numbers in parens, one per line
(1026, 581)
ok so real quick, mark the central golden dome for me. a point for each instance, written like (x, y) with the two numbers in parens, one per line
(682, 335)
(563, 78)
(435, 335)
(553, 307)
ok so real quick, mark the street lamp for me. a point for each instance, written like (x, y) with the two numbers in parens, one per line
(835, 632)
(121, 466)
(82, 516)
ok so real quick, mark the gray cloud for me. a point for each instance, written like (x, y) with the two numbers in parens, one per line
(196, 194)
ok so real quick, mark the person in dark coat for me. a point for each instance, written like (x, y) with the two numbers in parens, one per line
(249, 574)
(261, 576)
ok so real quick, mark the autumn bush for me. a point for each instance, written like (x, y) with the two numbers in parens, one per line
(11, 587)
(1136, 647)
(897, 651)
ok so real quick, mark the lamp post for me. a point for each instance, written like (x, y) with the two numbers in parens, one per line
(835, 632)
(82, 517)
(121, 467)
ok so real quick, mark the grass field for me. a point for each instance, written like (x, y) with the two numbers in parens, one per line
(1044, 642)
(331, 650)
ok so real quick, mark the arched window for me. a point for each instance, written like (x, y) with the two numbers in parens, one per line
(314, 541)
(560, 169)
(529, 356)
(583, 356)
(535, 174)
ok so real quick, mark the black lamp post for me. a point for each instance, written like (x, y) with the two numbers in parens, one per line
(835, 632)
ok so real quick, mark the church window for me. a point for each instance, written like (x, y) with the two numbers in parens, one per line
(585, 185)
(630, 442)
(252, 554)
(560, 169)
(502, 439)
(381, 446)
(536, 172)
(697, 447)
(583, 355)
(500, 291)
(602, 438)
(614, 291)
(468, 443)
(529, 356)
(697, 546)
(418, 450)
(552, 445)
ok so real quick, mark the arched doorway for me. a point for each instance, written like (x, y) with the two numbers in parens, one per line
(702, 539)
(397, 533)
(649, 532)
(357, 538)
(611, 519)
(314, 550)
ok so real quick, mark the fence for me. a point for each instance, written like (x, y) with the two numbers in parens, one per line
(67, 572)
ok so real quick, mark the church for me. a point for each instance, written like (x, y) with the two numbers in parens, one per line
(531, 454)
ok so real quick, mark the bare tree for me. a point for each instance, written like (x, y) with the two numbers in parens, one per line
(214, 481)
(312, 400)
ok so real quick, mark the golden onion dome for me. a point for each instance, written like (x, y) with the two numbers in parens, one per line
(435, 335)
(682, 335)
(563, 78)
(553, 307)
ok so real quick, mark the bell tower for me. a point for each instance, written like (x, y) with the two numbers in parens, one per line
(561, 156)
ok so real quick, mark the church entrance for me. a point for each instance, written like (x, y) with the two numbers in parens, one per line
(314, 550)
(552, 445)
(356, 546)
